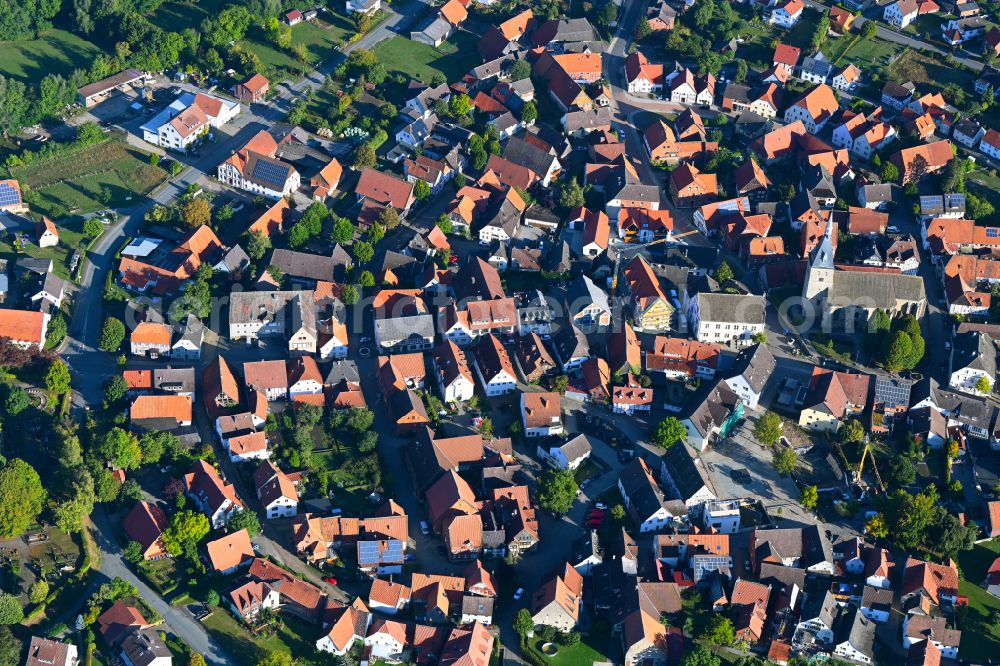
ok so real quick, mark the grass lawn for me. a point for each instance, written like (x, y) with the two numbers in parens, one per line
(70, 239)
(56, 52)
(319, 37)
(422, 61)
(985, 183)
(865, 53)
(161, 575)
(932, 72)
(178, 16)
(980, 639)
(110, 174)
(235, 639)
(580, 654)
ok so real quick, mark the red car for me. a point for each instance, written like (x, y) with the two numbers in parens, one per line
(595, 522)
(453, 259)
(597, 513)
(331, 580)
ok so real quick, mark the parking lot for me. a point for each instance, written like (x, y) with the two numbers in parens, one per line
(740, 467)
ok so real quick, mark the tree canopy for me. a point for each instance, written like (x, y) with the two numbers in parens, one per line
(22, 497)
(557, 491)
(668, 432)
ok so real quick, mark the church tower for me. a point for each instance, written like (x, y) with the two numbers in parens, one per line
(820, 270)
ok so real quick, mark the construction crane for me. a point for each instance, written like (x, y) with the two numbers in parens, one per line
(866, 453)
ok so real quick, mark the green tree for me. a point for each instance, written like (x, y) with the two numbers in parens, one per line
(366, 279)
(902, 472)
(57, 379)
(349, 294)
(155, 444)
(257, 244)
(120, 448)
(133, 552)
(196, 212)
(70, 513)
(618, 513)
(523, 623)
(853, 432)
(276, 659)
(57, 330)
(700, 656)
(198, 660)
(10, 648)
(767, 430)
(668, 432)
(889, 172)
(16, 400)
(720, 631)
(363, 252)
(809, 498)
(186, 530)
(571, 194)
(608, 14)
(115, 389)
(869, 30)
(529, 113)
(11, 611)
(983, 384)
(559, 384)
(375, 233)
(22, 498)
(459, 105)
(724, 273)
(642, 29)
(343, 230)
(876, 526)
(93, 228)
(245, 520)
(38, 591)
(364, 157)
(421, 190)
(557, 491)
(112, 335)
(785, 460)
(388, 217)
(899, 352)
(520, 70)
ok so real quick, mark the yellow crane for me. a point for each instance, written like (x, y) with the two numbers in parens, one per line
(866, 453)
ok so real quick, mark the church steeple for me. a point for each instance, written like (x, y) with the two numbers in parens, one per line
(823, 254)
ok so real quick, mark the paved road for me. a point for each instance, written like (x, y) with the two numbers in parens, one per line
(177, 617)
(90, 366)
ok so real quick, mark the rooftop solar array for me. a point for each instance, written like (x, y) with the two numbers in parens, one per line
(368, 552)
(892, 391)
(9, 196)
(269, 172)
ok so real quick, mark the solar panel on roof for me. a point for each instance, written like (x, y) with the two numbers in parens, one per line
(270, 172)
(956, 201)
(368, 552)
(9, 195)
(992, 233)
(394, 550)
(926, 201)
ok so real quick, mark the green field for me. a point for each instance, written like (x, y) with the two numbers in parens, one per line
(235, 639)
(108, 175)
(178, 16)
(867, 54)
(929, 72)
(319, 37)
(579, 654)
(422, 61)
(980, 637)
(70, 239)
(56, 52)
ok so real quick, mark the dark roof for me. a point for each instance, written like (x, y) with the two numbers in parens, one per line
(755, 364)
(528, 155)
(975, 351)
(304, 265)
(686, 471)
(857, 630)
(643, 493)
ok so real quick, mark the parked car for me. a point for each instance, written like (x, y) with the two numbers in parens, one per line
(424, 527)
(601, 506)
(409, 557)
(519, 593)
(331, 580)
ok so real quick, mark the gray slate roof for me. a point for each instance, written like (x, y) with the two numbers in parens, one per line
(733, 308)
